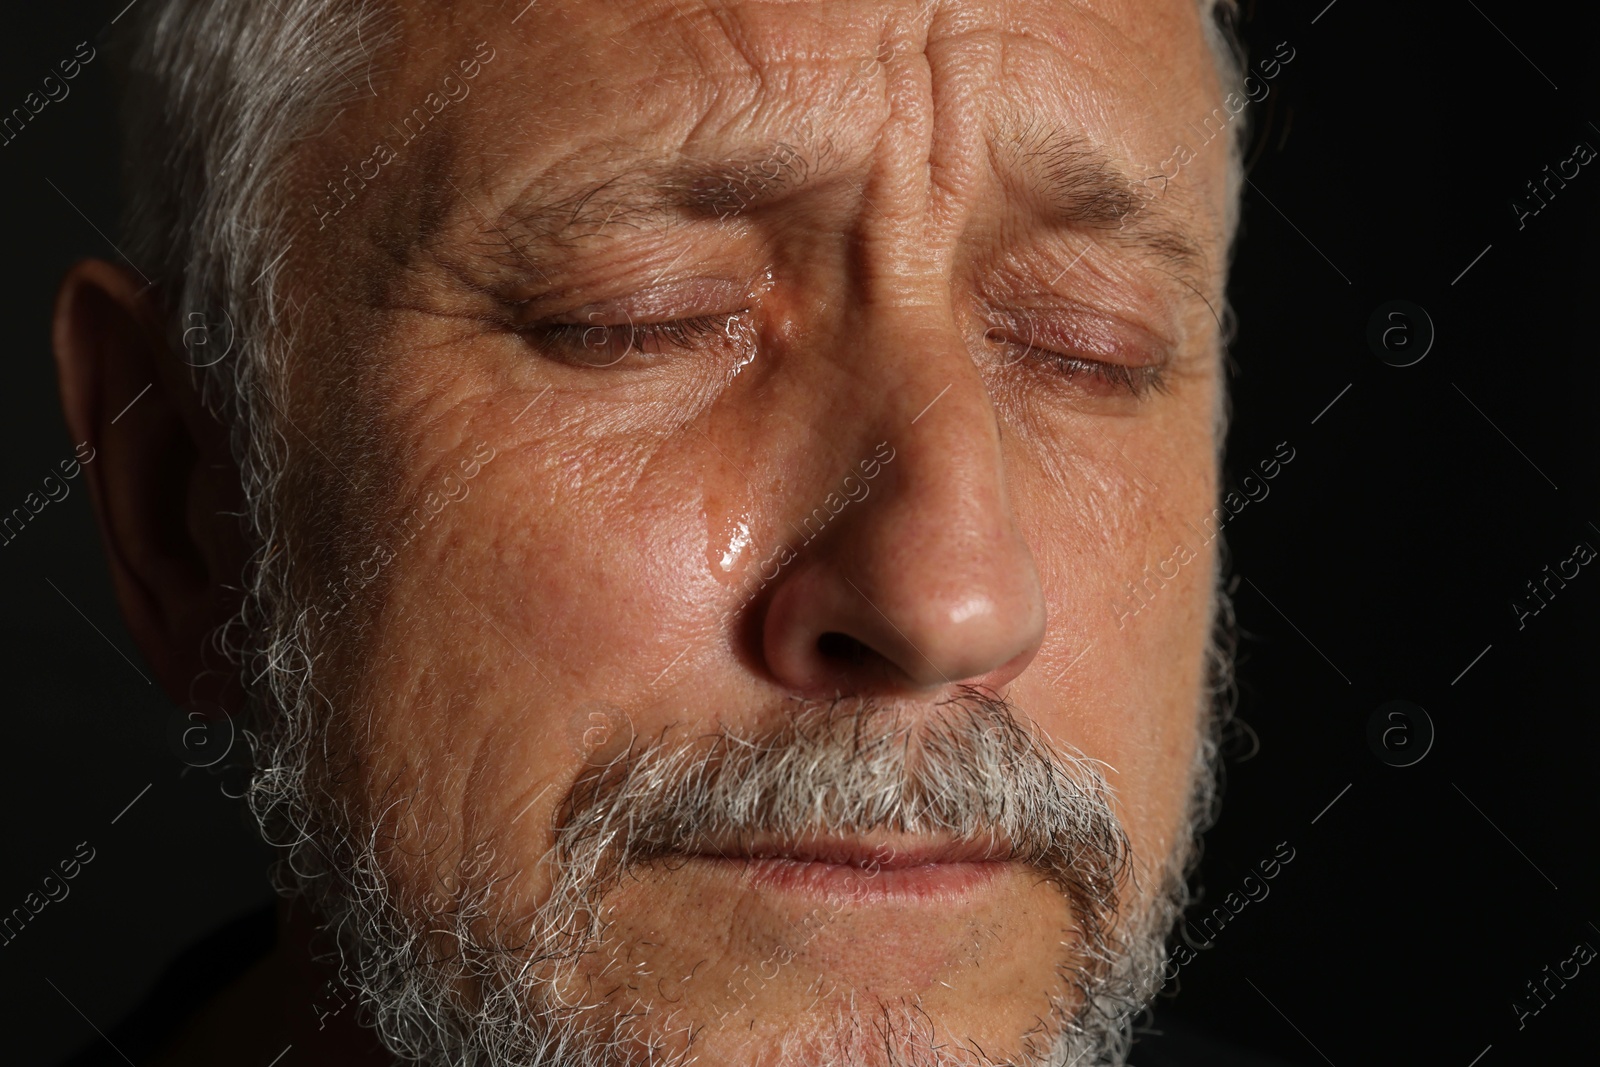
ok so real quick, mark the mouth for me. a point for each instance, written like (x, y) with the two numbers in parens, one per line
(881, 869)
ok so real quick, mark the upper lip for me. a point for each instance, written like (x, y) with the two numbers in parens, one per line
(876, 852)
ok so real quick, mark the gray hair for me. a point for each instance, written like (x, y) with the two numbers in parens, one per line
(1219, 20)
(215, 97)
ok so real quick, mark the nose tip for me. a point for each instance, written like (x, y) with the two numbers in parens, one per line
(963, 639)
(828, 631)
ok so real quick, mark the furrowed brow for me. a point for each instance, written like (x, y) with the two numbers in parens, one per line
(659, 191)
(1082, 187)
(1077, 185)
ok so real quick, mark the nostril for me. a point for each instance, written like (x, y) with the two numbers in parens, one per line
(841, 649)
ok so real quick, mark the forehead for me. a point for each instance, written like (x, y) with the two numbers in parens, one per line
(580, 89)
(740, 54)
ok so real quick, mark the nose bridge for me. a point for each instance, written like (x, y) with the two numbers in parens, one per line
(937, 413)
(928, 583)
(946, 520)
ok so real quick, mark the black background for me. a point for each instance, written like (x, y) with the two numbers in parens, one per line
(1382, 564)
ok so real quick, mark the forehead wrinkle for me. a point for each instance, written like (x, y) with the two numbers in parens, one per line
(1076, 183)
(1073, 182)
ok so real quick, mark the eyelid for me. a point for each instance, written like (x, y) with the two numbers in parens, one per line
(1102, 354)
(566, 341)
(1082, 333)
(653, 303)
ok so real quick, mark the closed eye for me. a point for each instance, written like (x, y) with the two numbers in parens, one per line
(1137, 382)
(600, 344)
(1100, 376)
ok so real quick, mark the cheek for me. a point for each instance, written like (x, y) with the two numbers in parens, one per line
(556, 587)
(1127, 692)
(593, 558)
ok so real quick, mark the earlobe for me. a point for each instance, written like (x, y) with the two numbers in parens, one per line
(154, 481)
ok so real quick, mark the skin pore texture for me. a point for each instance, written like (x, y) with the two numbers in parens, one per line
(753, 689)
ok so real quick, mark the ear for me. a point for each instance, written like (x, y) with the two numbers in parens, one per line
(158, 472)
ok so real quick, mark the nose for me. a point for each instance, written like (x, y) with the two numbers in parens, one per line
(922, 579)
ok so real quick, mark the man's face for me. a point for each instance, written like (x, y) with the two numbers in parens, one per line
(700, 362)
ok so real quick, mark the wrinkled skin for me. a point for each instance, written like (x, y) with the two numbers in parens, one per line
(604, 553)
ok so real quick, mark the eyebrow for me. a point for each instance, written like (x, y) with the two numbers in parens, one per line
(656, 190)
(1084, 187)
(1071, 182)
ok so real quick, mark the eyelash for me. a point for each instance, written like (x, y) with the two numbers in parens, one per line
(651, 338)
(1137, 382)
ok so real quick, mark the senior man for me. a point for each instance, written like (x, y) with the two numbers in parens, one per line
(659, 482)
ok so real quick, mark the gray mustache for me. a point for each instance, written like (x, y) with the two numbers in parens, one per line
(967, 770)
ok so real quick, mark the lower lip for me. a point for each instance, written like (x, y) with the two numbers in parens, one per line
(946, 882)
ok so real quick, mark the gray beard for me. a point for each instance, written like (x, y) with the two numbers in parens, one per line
(969, 769)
